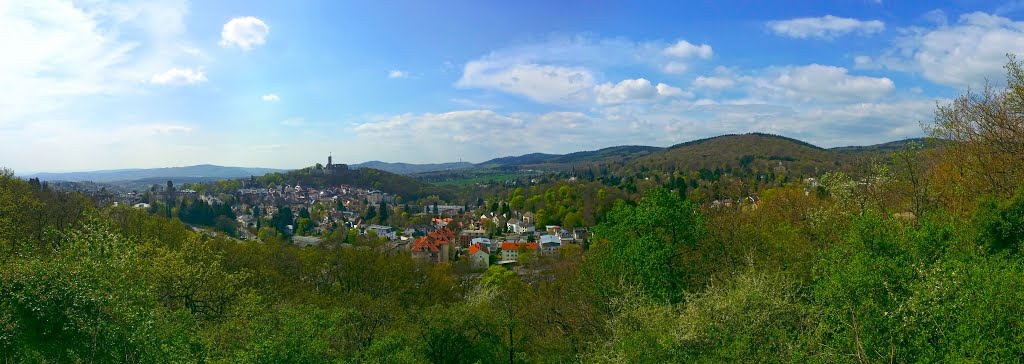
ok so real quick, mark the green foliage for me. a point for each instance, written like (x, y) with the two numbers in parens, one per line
(640, 245)
(86, 302)
(918, 294)
(1001, 223)
(755, 317)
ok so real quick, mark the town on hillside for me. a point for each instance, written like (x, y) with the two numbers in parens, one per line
(346, 216)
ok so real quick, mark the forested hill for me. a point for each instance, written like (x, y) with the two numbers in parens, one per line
(407, 187)
(886, 147)
(546, 161)
(409, 168)
(742, 154)
(756, 151)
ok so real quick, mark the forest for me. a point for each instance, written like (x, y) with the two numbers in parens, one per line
(919, 259)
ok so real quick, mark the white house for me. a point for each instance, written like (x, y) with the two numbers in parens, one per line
(518, 227)
(549, 243)
(383, 231)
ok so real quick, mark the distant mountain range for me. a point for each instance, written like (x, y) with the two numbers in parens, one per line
(750, 152)
(408, 168)
(737, 150)
(198, 173)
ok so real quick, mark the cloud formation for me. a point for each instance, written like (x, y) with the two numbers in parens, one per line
(817, 82)
(825, 27)
(397, 74)
(271, 98)
(713, 82)
(541, 83)
(962, 54)
(634, 90)
(59, 52)
(179, 77)
(244, 32)
(684, 49)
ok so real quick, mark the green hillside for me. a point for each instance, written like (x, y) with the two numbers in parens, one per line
(407, 187)
(755, 151)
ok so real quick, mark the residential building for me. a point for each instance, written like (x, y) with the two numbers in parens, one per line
(482, 241)
(549, 243)
(466, 236)
(383, 231)
(479, 256)
(433, 247)
(518, 227)
(510, 250)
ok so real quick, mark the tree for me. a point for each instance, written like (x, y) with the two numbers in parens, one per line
(641, 245)
(169, 199)
(281, 219)
(383, 212)
(509, 298)
(371, 213)
(986, 134)
(1001, 223)
(912, 169)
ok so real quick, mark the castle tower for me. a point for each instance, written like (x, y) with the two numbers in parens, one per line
(328, 161)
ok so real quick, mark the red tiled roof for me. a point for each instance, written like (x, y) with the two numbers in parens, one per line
(508, 245)
(476, 247)
(424, 244)
(433, 240)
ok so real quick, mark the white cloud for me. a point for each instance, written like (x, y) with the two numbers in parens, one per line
(179, 76)
(478, 135)
(675, 67)
(684, 49)
(245, 33)
(397, 74)
(862, 61)
(668, 91)
(962, 54)
(825, 27)
(271, 98)
(71, 145)
(626, 90)
(817, 82)
(713, 82)
(936, 16)
(542, 83)
(582, 55)
(454, 121)
(633, 90)
(57, 52)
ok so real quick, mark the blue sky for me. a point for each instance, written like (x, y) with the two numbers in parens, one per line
(97, 84)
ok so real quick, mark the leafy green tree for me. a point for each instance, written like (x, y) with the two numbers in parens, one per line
(371, 213)
(509, 298)
(641, 245)
(1001, 223)
(87, 302)
(383, 212)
